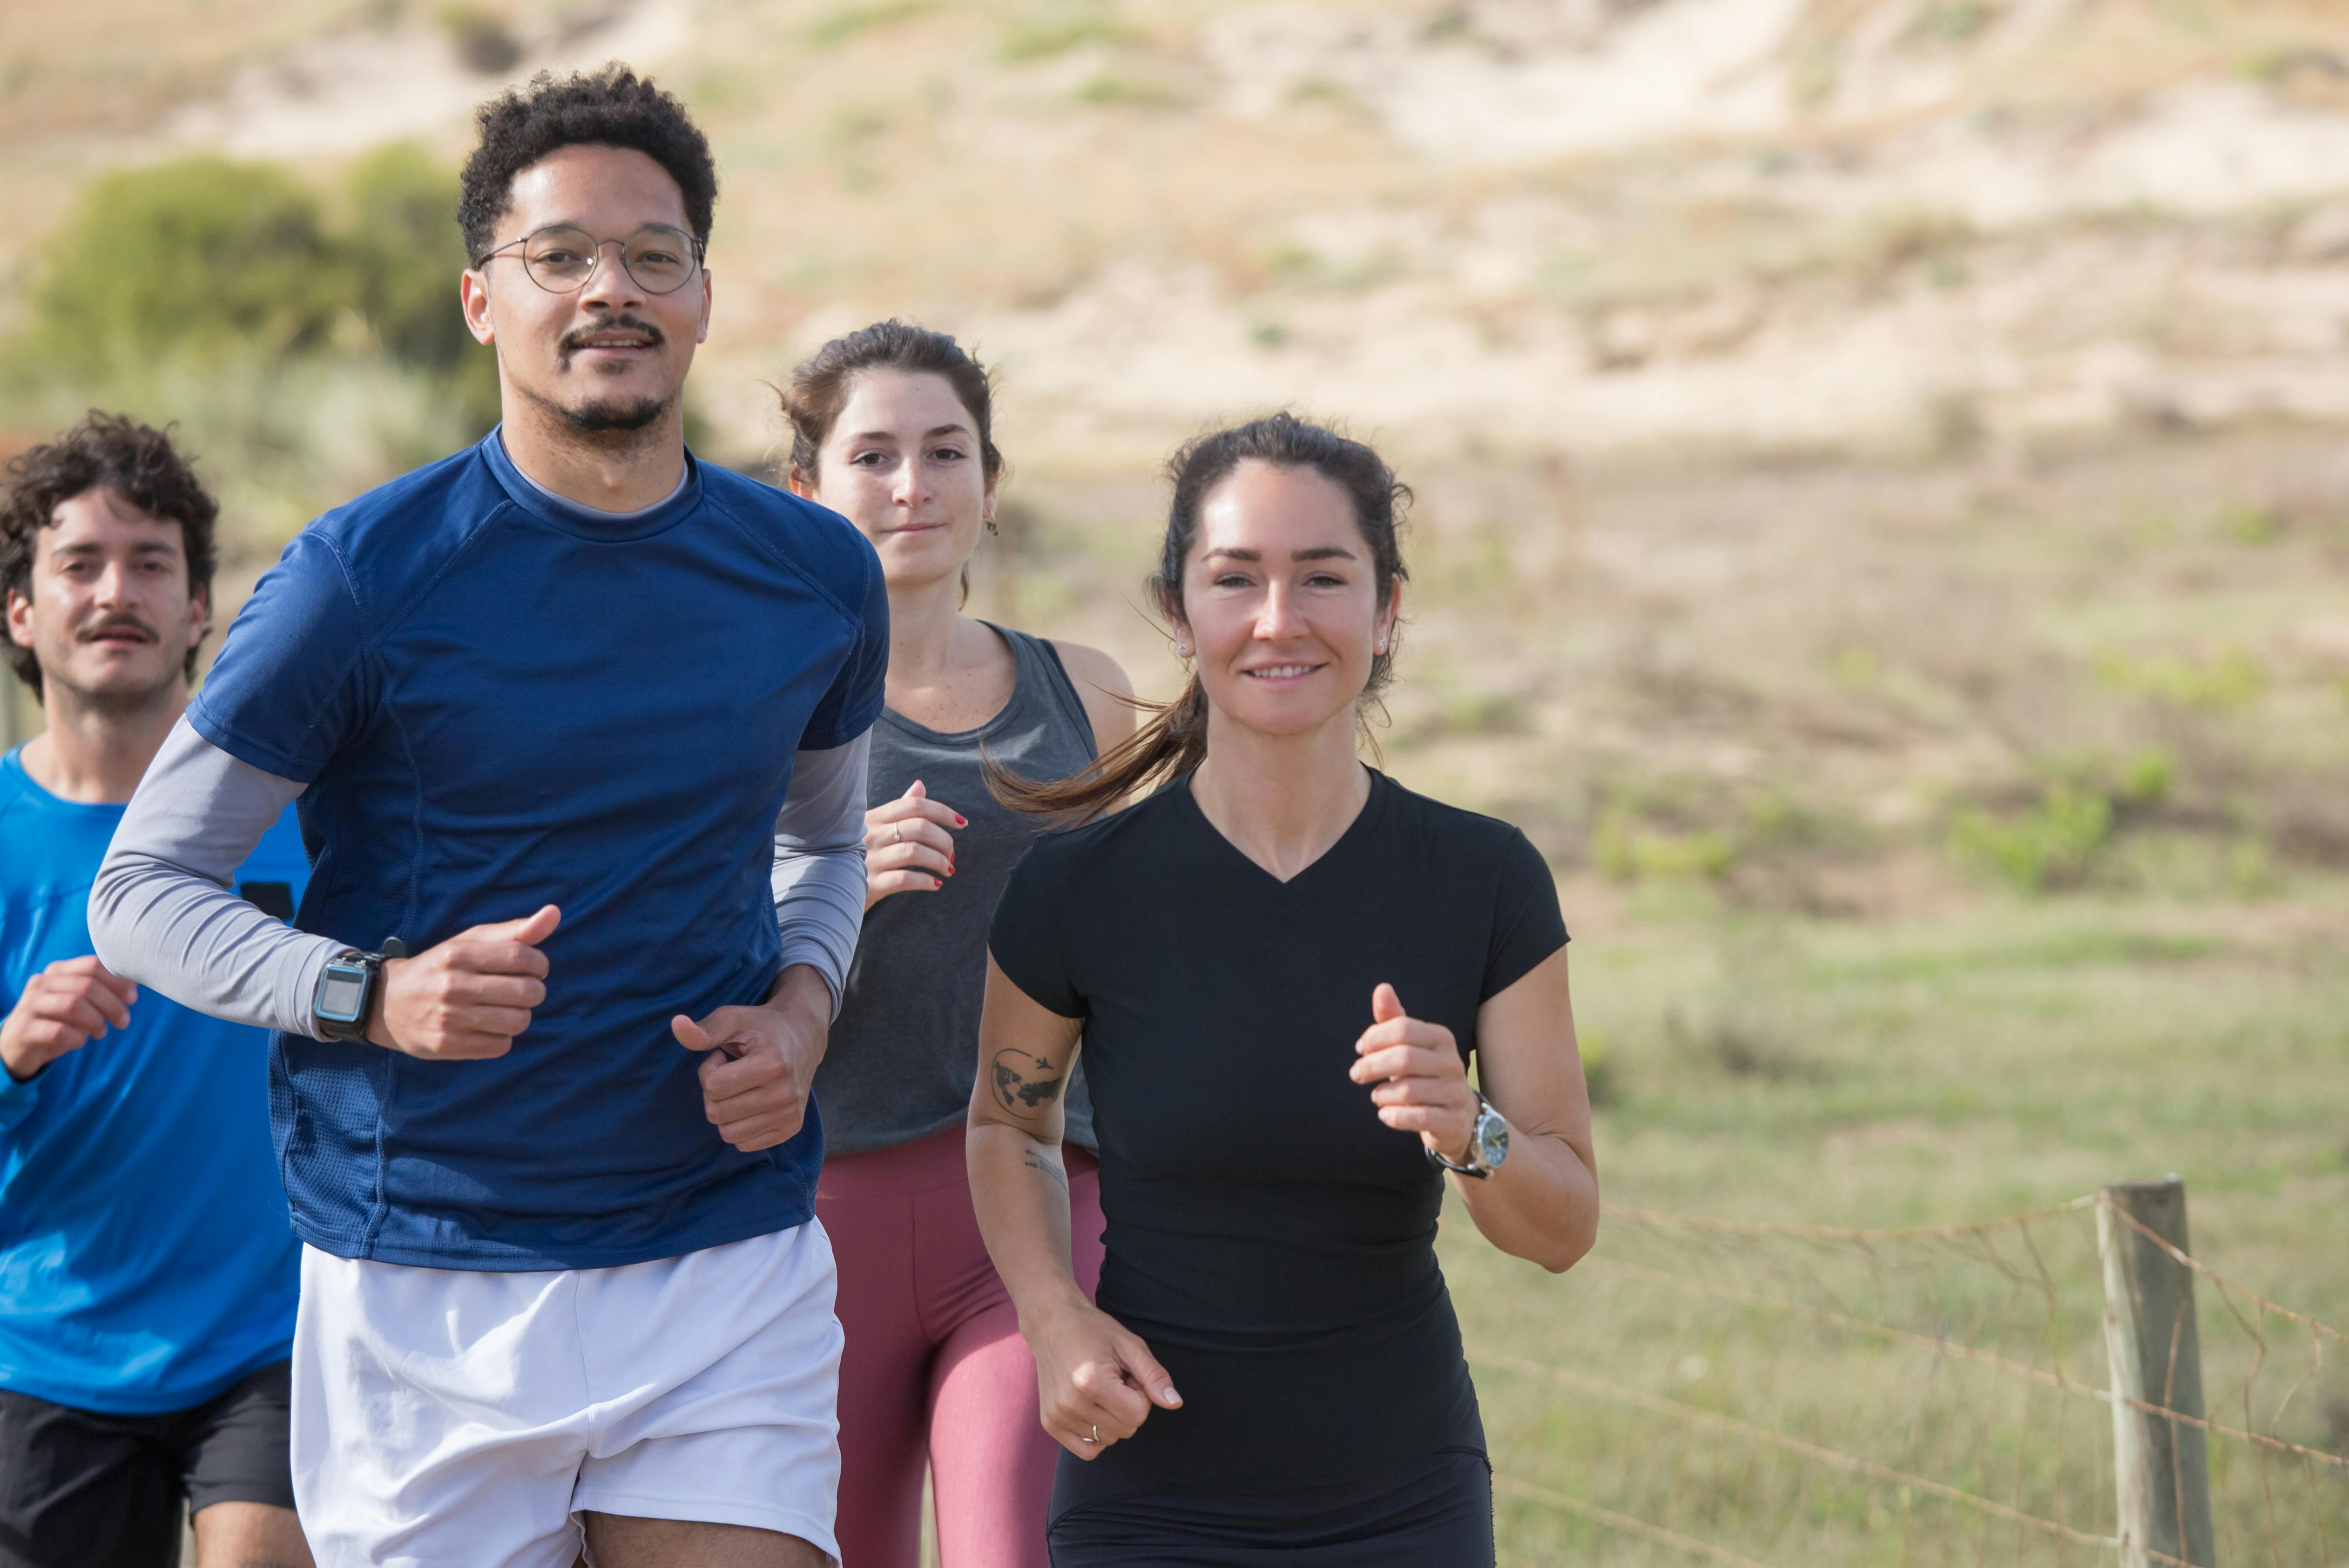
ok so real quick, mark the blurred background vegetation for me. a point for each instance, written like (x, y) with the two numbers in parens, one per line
(305, 334)
(1883, 520)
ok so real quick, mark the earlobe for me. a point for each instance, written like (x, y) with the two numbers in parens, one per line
(473, 300)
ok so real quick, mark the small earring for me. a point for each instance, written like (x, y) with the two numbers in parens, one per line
(1383, 644)
(1182, 650)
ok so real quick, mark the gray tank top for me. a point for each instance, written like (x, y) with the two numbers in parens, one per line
(904, 1050)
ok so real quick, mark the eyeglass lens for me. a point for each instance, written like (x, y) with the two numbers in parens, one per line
(658, 257)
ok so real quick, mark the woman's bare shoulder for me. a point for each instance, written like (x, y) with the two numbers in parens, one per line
(1103, 687)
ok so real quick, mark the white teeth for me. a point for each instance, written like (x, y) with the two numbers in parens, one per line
(1281, 671)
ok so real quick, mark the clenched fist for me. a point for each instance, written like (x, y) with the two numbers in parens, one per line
(469, 996)
(67, 1005)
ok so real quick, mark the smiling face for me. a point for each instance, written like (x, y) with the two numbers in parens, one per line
(612, 355)
(111, 615)
(903, 463)
(1280, 601)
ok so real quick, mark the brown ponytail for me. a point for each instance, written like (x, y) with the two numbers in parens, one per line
(1174, 740)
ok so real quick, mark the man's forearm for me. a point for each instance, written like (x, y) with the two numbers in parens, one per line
(819, 870)
(801, 993)
(160, 912)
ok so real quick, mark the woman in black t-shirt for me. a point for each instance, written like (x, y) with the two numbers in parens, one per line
(1276, 964)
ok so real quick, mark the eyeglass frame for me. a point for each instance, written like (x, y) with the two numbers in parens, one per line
(700, 257)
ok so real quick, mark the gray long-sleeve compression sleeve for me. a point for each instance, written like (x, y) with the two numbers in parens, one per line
(160, 912)
(819, 876)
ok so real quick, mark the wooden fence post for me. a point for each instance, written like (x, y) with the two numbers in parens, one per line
(2161, 1467)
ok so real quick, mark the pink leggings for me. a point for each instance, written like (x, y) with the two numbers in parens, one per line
(933, 1365)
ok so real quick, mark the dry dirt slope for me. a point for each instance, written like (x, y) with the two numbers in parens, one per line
(1595, 225)
(1581, 264)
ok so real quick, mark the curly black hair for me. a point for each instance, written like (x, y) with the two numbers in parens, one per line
(613, 108)
(105, 451)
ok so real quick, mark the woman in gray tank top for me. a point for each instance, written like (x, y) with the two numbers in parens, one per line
(890, 428)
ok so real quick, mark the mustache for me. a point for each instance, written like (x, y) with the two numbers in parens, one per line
(577, 338)
(121, 624)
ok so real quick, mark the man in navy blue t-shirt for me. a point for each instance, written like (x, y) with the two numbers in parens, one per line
(147, 1271)
(576, 728)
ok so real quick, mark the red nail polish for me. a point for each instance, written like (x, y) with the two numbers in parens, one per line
(961, 821)
(935, 884)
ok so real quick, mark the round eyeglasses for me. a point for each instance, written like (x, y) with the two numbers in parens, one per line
(562, 259)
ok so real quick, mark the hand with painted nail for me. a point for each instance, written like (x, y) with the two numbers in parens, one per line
(909, 845)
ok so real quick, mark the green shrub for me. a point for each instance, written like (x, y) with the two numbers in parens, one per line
(1057, 29)
(405, 252)
(1630, 851)
(2228, 685)
(208, 265)
(194, 256)
(2055, 845)
(838, 26)
(1601, 1077)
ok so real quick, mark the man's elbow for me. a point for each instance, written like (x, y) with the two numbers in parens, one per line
(109, 920)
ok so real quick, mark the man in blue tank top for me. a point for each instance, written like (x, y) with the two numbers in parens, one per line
(577, 728)
(147, 1271)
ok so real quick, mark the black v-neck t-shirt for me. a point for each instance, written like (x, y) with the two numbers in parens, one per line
(1271, 1239)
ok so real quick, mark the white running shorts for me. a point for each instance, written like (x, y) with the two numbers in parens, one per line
(444, 1419)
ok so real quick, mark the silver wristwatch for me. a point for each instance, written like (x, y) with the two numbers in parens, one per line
(1488, 1143)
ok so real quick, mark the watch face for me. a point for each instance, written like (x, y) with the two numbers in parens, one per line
(1492, 1139)
(339, 995)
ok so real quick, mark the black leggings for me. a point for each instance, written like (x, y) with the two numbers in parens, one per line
(1437, 1514)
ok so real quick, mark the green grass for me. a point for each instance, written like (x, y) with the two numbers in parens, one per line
(1985, 1063)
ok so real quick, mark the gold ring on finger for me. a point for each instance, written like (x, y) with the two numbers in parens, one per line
(1094, 1438)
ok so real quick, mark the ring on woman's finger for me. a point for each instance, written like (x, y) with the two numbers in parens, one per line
(901, 834)
(1094, 1438)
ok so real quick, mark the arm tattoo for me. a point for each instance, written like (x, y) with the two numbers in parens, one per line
(1048, 1166)
(1017, 1090)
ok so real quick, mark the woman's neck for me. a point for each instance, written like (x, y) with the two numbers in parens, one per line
(946, 670)
(1282, 800)
(922, 619)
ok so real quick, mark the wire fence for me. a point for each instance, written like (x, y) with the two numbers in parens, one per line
(1802, 1396)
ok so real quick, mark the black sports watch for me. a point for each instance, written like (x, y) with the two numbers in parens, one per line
(344, 998)
(1488, 1143)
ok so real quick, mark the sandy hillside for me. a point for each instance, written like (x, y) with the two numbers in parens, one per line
(1610, 225)
(1830, 417)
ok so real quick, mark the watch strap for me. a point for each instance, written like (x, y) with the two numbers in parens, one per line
(1471, 1166)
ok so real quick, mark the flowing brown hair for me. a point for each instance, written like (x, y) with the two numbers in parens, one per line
(1174, 740)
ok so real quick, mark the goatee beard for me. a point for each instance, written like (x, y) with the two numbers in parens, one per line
(610, 416)
(607, 424)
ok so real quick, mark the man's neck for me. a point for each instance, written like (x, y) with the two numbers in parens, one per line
(609, 470)
(95, 755)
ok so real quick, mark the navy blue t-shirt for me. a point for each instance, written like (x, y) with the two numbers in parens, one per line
(499, 702)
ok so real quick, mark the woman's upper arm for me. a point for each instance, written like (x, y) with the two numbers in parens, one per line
(1025, 1053)
(1526, 1059)
(1103, 687)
